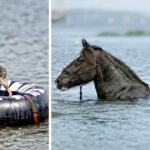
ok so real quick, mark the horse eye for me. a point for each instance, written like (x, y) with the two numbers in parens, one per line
(80, 60)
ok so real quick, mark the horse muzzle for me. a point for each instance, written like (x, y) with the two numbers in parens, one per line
(60, 86)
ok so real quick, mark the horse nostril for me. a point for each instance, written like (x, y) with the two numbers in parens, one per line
(57, 81)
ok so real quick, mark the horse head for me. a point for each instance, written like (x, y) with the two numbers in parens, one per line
(81, 70)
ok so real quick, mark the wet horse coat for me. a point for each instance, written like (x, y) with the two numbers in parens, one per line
(113, 78)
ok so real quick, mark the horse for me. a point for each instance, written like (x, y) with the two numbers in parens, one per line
(113, 79)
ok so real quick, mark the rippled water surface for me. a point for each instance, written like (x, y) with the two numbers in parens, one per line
(24, 52)
(103, 125)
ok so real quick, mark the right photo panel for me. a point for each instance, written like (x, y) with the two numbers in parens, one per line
(100, 75)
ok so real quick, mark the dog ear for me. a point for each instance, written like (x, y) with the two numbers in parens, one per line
(85, 43)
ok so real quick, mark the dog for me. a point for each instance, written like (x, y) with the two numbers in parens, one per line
(4, 80)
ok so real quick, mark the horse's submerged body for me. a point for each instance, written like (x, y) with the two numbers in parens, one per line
(113, 79)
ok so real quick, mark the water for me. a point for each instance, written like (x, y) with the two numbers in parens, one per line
(92, 125)
(24, 53)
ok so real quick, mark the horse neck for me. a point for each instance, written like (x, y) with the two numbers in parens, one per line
(113, 71)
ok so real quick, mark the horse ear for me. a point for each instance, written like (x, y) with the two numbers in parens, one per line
(85, 43)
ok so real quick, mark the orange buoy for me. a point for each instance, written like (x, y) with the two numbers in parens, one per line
(36, 117)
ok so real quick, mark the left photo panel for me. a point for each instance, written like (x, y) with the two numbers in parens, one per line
(24, 75)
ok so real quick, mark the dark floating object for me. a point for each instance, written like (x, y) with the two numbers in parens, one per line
(28, 105)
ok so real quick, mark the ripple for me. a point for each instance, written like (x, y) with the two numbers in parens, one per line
(24, 52)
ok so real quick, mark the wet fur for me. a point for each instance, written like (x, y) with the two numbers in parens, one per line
(130, 85)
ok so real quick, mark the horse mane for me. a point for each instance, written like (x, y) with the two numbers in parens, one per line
(124, 68)
(122, 65)
(96, 47)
